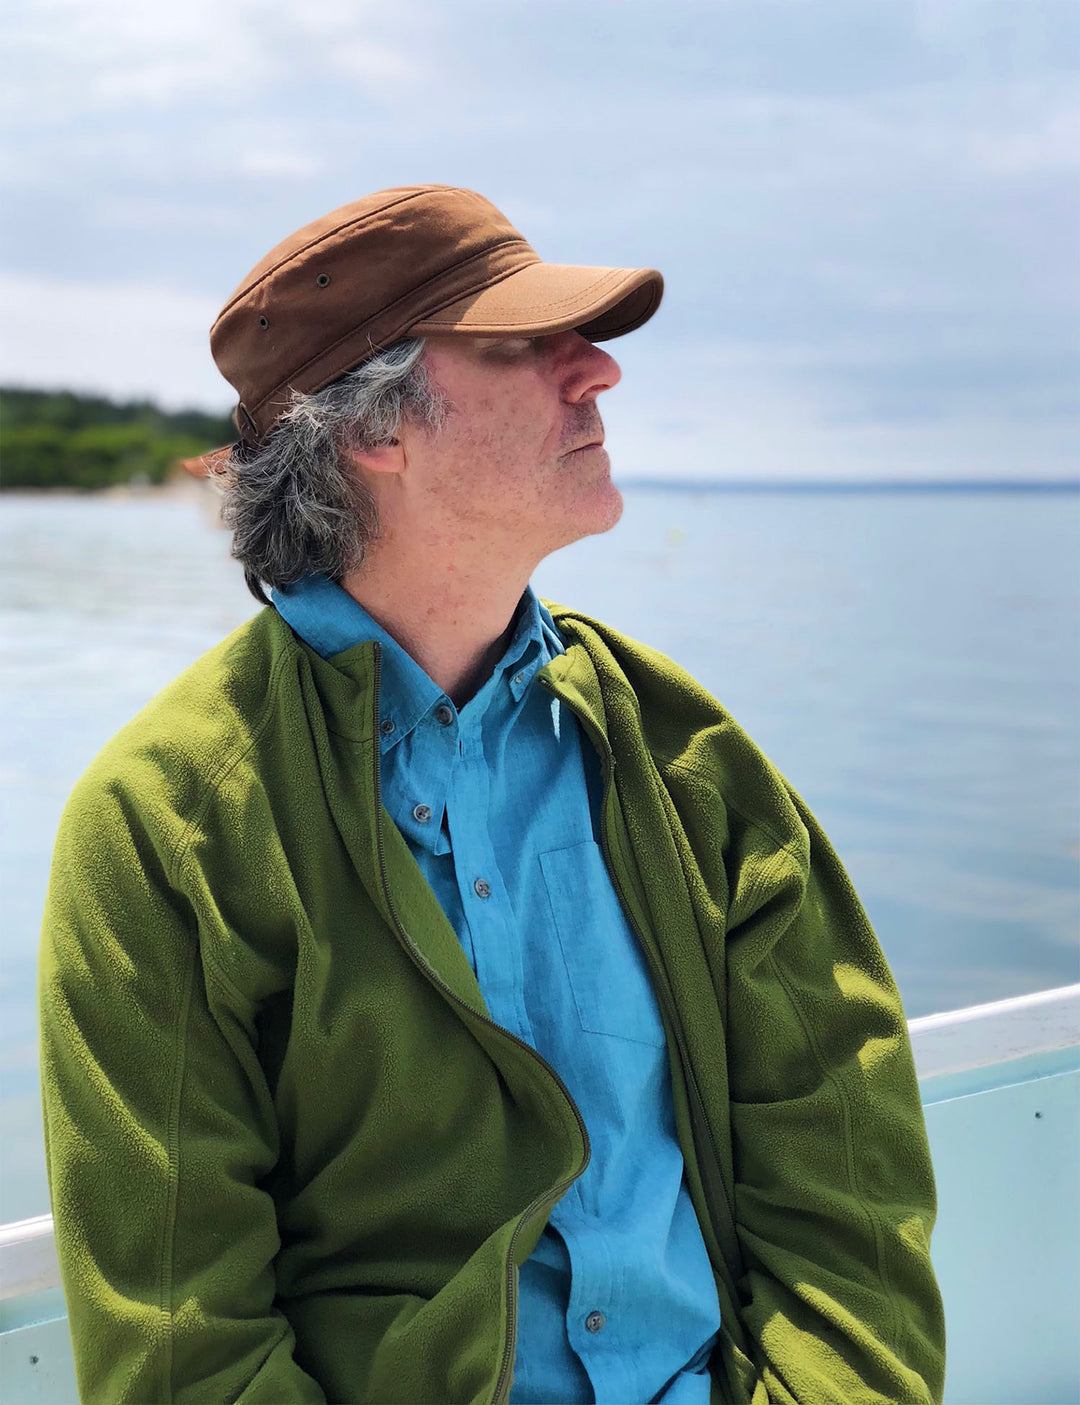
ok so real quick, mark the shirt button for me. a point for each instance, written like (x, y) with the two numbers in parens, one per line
(595, 1321)
(519, 678)
(482, 888)
(386, 726)
(444, 715)
(421, 813)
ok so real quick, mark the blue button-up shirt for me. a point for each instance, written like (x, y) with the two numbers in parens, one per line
(499, 802)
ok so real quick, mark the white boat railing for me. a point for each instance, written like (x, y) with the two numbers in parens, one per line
(960, 1041)
(28, 1262)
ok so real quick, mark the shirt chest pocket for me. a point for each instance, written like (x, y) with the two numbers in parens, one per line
(605, 966)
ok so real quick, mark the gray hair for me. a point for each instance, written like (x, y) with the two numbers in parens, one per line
(294, 504)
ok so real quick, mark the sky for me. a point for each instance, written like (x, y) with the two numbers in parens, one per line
(867, 212)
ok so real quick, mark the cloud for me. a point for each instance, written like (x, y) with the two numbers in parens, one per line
(1043, 139)
(280, 165)
(124, 340)
(71, 58)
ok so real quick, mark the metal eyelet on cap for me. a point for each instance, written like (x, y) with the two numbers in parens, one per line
(322, 280)
(263, 322)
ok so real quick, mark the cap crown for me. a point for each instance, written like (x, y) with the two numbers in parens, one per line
(352, 282)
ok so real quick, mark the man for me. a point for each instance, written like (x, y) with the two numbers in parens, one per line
(442, 999)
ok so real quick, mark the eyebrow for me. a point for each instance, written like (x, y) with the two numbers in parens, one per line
(510, 336)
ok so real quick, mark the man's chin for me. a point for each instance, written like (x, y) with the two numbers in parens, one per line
(595, 504)
(609, 506)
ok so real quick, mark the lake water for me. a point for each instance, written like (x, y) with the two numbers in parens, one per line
(910, 661)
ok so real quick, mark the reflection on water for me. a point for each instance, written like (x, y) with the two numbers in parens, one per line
(910, 662)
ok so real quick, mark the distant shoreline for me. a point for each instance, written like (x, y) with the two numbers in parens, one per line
(822, 485)
(184, 487)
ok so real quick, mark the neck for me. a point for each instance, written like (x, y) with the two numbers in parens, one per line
(451, 614)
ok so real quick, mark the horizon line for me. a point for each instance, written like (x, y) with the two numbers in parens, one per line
(855, 485)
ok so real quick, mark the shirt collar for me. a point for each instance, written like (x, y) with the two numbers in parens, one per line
(328, 619)
(533, 643)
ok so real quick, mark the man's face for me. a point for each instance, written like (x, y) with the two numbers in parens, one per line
(520, 460)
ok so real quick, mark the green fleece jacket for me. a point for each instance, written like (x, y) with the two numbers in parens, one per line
(292, 1159)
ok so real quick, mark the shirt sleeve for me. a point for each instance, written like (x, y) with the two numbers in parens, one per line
(834, 1189)
(158, 1125)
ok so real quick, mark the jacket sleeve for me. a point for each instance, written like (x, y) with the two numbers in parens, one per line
(158, 1125)
(834, 1191)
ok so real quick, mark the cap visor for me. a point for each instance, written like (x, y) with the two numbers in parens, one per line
(554, 297)
(208, 464)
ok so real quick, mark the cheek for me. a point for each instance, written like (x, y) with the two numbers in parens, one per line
(512, 439)
(499, 447)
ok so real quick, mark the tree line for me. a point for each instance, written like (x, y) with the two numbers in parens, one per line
(57, 439)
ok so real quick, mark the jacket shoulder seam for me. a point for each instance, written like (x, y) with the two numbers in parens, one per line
(786, 845)
(230, 762)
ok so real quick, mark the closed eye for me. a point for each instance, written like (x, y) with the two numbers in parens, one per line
(510, 347)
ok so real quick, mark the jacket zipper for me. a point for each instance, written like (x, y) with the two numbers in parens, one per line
(698, 1115)
(502, 1384)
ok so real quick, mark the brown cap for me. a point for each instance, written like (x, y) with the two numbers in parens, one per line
(421, 259)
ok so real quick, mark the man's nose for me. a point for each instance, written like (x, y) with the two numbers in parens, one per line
(588, 369)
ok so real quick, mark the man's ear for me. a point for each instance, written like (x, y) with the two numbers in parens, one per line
(387, 458)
